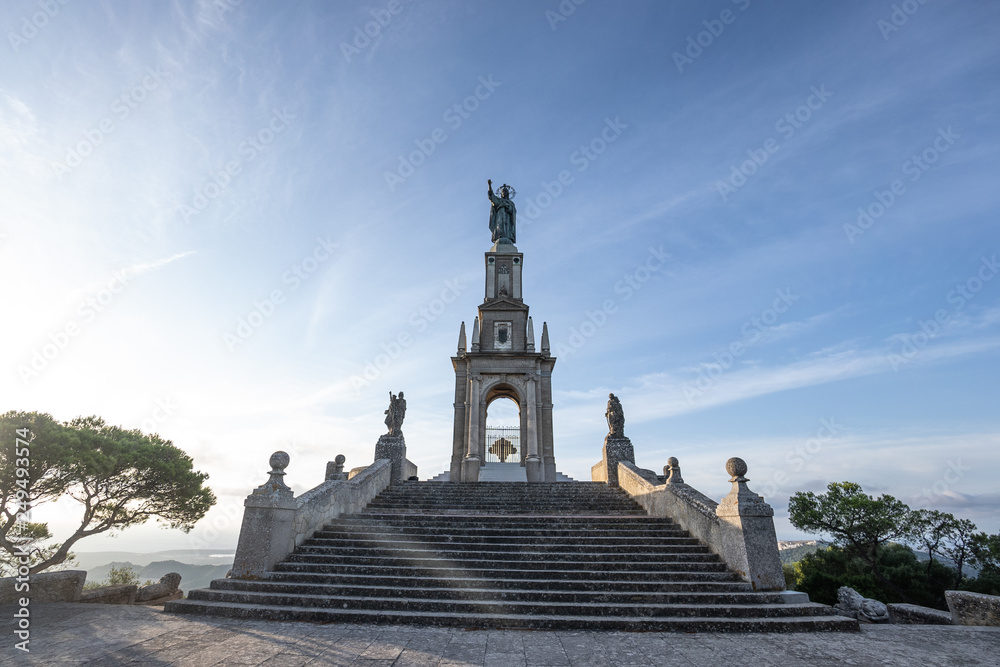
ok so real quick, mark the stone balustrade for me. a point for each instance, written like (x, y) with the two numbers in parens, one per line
(275, 522)
(740, 529)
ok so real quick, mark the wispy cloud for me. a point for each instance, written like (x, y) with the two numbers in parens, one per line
(145, 267)
(659, 395)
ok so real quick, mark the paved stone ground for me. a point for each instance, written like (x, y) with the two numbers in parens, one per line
(116, 635)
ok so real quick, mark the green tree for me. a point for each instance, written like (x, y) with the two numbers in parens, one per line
(957, 545)
(928, 530)
(986, 552)
(120, 477)
(855, 521)
(30, 537)
(986, 556)
(119, 575)
(820, 575)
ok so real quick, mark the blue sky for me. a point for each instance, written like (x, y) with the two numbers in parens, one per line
(821, 175)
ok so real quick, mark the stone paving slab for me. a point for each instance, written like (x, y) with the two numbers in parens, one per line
(99, 635)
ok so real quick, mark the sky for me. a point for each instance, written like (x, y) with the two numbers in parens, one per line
(768, 227)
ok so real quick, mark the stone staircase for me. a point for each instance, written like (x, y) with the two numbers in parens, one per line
(509, 555)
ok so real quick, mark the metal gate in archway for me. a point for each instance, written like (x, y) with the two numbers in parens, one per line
(503, 444)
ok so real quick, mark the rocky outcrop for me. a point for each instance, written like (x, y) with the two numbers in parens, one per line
(914, 614)
(111, 595)
(161, 592)
(66, 586)
(973, 608)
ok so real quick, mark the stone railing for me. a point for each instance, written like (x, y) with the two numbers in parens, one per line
(740, 529)
(275, 522)
(409, 470)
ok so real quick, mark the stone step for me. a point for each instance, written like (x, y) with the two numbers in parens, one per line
(382, 531)
(679, 581)
(459, 523)
(511, 555)
(516, 501)
(527, 560)
(486, 503)
(532, 594)
(436, 568)
(708, 623)
(539, 517)
(594, 544)
(499, 491)
(487, 511)
(483, 606)
(522, 491)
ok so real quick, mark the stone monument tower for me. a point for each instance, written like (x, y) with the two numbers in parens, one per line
(500, 361)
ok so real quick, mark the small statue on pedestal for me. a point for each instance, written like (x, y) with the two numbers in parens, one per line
(616, 417)
(395, 414)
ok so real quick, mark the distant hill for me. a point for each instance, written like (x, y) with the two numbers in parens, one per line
(792, 551)
(86, 560)
(192, 576)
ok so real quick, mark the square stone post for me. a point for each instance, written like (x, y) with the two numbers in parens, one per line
(267, 535)
(392, 447)
(616, 448)
(749, 544)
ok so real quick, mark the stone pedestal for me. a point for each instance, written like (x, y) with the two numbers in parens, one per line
(616, 448)
(533, 470)
(748, 541)
(470, 469)
(267, 535)
(392, 447)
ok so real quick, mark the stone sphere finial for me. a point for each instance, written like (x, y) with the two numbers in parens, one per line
(279, 461)
(275, 486)
(673, 471)
(737, 468)
(340, 459)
